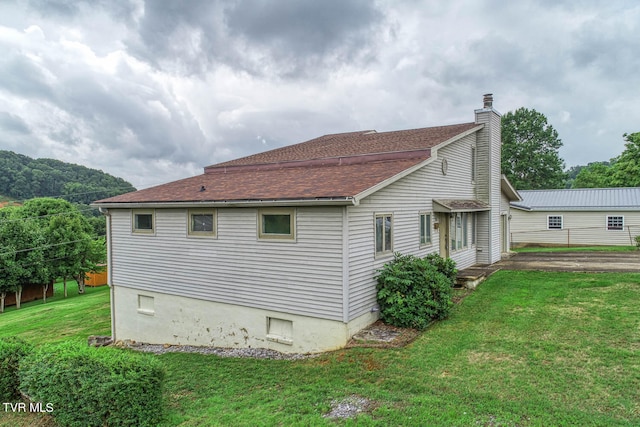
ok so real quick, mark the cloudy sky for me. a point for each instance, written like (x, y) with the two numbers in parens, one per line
(154, 90)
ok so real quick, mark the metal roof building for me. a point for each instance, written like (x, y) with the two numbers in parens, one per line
(580, 199)
(584, 216)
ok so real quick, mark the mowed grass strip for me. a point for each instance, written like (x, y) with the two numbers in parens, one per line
(75, 317)
(524, 349)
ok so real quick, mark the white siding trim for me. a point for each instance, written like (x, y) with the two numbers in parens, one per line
(345, 265)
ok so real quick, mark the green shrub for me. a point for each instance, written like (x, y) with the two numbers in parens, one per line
(414, 291)
(12, 350)
(89, 386)
(446, 266)
(637, 239)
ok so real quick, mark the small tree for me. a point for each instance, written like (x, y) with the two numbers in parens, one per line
(24, 257)
(92, 260)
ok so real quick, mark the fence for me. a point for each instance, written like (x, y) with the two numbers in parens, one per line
(577, 236)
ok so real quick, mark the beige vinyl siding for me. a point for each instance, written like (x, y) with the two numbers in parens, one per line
(489, 175)
(302, 277)
(405, 199)
(578, 228)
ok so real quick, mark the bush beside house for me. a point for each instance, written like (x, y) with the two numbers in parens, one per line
(413, 291)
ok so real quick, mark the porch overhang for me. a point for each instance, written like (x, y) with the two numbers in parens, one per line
(459, 205)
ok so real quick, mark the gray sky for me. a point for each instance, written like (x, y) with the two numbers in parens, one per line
(153, 91)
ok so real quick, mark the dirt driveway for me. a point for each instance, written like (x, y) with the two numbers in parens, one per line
(628, 262)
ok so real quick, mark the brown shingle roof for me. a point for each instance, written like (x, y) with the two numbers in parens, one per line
(355, 143)
(330, 167)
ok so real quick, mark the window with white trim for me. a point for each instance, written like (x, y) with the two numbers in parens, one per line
(474, 232)
(554, 222)
(459, 230)
(615, 222)
(202, 222)
(473, 164)
(425, 229)
(277, 224)
(143, 221)
(384, 233)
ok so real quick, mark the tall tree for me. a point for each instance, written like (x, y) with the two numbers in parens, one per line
(626, 167)
(23, 242)
(68, 236)
(594, 175)
(530, 145)
(621, 171)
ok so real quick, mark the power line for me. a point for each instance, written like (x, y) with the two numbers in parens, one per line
(52, 245)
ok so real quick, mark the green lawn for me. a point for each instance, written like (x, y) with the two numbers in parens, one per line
(524, 349)
(74, 317)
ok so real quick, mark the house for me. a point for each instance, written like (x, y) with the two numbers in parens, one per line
(280, 249)
(584, 216)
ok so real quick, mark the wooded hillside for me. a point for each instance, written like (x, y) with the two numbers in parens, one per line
(22, 178)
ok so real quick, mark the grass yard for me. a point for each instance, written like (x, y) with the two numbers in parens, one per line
(74, 317)
(524, 349)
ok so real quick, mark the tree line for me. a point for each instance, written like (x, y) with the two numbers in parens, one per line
(23, 178)
(44, 240)
(531, 159)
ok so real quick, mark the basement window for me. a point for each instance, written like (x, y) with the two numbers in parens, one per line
(146, 305)
(280, 330)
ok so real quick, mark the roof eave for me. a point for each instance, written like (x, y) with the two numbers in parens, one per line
(338, 201)
(509, 190)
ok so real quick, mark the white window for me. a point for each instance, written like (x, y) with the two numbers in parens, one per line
(202, 222)
(554, 222)
(277, 224)
(459, 231)
(474, 222)
(615, 222)
(425, 229)
(384, 233)
(465, 229)
(473, 164)
(143, 221)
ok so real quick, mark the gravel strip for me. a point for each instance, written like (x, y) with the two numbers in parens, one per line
(254, 353)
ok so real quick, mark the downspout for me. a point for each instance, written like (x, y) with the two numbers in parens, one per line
(107, 215)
